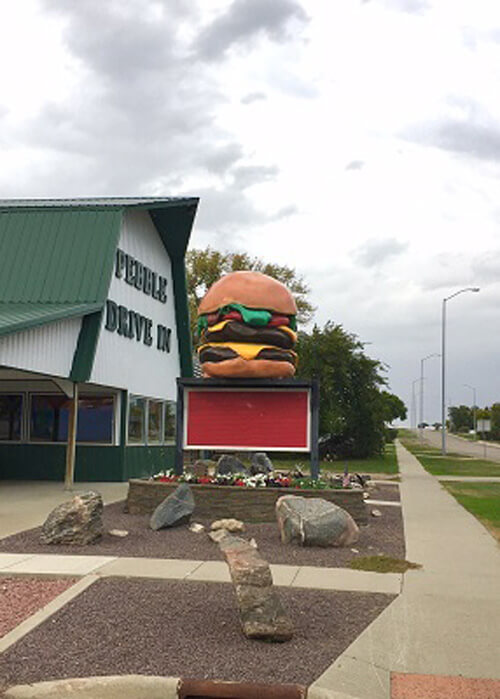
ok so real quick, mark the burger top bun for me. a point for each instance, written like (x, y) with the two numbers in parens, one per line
(251, 289)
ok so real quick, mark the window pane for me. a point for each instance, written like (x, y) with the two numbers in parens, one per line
(11, 411)
(154, 421)
(95, 419)
(49, 418)
(136, 413)
(169, 428)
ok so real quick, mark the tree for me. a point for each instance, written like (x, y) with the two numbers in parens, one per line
(393, 407)
(353, 408)
(461, 418)
(205, 267)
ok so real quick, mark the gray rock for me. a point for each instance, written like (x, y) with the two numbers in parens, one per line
(260, 463)
(175, 510)
(261, 613)
(314, 522)
(202, 467)
(78, 521)
(229, 465)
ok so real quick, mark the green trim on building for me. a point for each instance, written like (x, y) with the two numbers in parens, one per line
(83, 359)
(174, 227)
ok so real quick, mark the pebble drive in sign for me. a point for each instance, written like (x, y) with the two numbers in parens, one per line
(129, 323)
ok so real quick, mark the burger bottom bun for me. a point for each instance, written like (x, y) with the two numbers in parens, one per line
(248, 369)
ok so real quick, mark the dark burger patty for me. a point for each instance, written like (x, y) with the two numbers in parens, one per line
(234, 331)
(221, 354)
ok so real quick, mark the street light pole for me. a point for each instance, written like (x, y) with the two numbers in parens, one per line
(474, 289)
(474, 408)
(421, 416)
(413, 419)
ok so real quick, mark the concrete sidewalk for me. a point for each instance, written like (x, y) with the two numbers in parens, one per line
(446, 621)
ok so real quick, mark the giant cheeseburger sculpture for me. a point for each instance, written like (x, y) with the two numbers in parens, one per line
(247, 328)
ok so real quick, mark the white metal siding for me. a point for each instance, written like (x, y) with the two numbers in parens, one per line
(48, 349)
(127, 363)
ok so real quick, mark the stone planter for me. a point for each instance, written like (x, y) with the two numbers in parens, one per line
(247, 504)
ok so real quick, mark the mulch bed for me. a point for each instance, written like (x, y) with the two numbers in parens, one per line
(22, 597)
(187, 629)
(383, 535)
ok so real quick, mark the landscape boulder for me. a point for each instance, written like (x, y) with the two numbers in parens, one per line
(229, 465)
(261, 613)
(175, 510)
(78, 521)
(314, 522)
(260, 463)
(202, 467)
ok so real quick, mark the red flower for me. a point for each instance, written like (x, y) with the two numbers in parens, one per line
(205, 480)
(238, 482)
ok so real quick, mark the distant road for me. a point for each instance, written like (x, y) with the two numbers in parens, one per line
(481, 450)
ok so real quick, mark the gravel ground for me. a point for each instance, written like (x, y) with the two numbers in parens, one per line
(384, 492)
(185, 629)
(382, 535)
(21, 597)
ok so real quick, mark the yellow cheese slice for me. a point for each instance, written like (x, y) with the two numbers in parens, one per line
(244, 349)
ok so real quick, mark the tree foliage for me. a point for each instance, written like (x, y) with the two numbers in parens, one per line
(205, 267)
(353, 406)
(461, 418)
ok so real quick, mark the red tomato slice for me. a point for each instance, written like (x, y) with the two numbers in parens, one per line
(232, 315)
(279, 320)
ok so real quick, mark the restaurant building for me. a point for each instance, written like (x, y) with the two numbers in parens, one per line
(94, 331)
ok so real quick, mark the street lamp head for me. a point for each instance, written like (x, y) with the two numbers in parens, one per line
(475, 289)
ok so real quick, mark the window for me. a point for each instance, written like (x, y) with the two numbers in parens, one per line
(169, 422)
(50, 418)
(154, 421)
(136, 420)
(11, 411)
(150, 421)
(95, 419)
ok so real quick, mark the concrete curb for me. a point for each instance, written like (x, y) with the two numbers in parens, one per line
(43, 614)
(154, 687)
(111, 687)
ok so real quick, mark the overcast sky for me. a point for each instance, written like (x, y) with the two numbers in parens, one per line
(355, 140)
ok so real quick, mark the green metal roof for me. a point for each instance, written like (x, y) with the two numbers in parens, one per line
(20, 316)
(56, 257)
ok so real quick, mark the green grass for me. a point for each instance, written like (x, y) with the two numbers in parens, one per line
(386, 464)
(451, 464)
(480, 499)
(383, 564)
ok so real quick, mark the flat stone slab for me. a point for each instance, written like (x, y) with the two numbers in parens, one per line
(59, 565)
(7, 560)
(163, 568)
(349, 580)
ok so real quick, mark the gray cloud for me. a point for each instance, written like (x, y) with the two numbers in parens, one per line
(144, 117)
(375, 252)
(471, 131)
(248, 175)
(355, 165)
(243, 21)
(410, 6)
(224, 157)
(253, 97)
